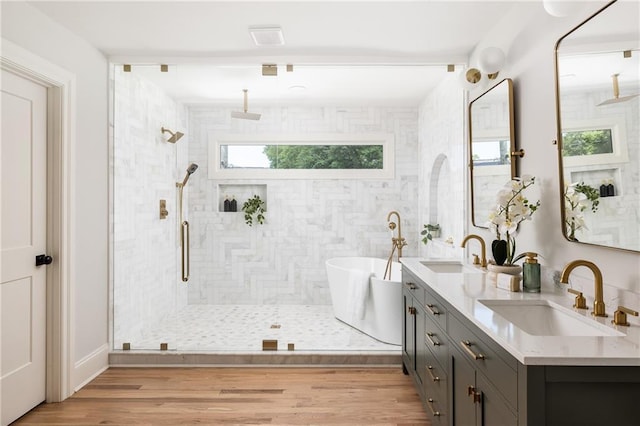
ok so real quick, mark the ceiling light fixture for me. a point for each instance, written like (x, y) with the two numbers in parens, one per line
(267, 35)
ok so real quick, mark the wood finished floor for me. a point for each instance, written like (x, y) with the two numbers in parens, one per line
(245, 395)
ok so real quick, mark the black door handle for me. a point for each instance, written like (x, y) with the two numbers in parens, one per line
(43, 259)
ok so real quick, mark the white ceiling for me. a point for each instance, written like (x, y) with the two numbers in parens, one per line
(212, 57)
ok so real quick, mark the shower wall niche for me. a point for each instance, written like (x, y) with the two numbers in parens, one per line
(241, 193)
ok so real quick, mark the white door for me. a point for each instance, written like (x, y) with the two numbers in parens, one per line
(23, 157)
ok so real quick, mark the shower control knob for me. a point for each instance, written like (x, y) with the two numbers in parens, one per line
(43, 259)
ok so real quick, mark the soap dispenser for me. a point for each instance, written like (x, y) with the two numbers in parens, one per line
(531, 274)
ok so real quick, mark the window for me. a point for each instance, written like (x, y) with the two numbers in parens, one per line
(301, 157)
(596, 142)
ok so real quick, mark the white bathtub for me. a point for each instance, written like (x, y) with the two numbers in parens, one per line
(363, 300)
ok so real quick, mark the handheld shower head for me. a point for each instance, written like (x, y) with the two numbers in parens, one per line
(175, 137)
(192, 168)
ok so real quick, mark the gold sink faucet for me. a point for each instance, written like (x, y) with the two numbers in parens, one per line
(598, 303)
(398, 241)
(483, 260)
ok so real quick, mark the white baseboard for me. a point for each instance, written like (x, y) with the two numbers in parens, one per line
(89, 367)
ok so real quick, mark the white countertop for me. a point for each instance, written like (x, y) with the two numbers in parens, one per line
(463, 292)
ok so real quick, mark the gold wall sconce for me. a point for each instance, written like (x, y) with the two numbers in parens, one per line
(491, 61)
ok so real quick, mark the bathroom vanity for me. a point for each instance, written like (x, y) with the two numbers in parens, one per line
(479, 355)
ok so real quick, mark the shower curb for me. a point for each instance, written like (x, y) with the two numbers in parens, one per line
(171, 359)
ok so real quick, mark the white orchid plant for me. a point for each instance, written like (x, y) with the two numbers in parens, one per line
(512, 208)
(578, 197)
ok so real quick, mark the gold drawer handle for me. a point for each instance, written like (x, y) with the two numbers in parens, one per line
(411, 286)
(477, 396)
(466, 345)
(433, 342)
(434, 378)
(433, 312)
(411, 310)
(430, 404)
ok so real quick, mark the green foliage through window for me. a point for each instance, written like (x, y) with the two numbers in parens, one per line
(324, 156)
(302, 156)
(587, 142)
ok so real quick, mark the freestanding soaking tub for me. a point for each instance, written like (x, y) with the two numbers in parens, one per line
(362, 299)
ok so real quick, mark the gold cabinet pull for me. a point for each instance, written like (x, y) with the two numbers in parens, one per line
(433, 411)
(411, 310)
(620, 316)
(466, 345)
(430, 371)
(477, 396)
(433, 311)
(411, 286)
(429, 337)
(184, 238)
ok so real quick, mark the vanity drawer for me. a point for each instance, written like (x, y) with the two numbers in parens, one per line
(435, 392)
(436, 342)
(483, 353)
(435, 377)
(435, 309)
(412, 286)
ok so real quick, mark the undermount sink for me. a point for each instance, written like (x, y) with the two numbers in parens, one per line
(545, 318)
(449, 267)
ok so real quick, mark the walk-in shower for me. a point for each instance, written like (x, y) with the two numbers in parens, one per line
(200, 279)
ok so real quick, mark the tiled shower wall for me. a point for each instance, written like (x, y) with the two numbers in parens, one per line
(146, 279)
(443, 186)
(616, 221)
(308, 220)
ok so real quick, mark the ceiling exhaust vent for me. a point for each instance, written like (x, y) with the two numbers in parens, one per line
(267, 36)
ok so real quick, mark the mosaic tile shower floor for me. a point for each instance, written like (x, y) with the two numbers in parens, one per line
(242, 328)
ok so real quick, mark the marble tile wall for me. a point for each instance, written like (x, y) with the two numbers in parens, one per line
(145, 169)
(616, 221)
(308, 221)
(442, 170)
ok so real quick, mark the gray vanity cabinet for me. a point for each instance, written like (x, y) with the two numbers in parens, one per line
(465, 378)
(412, 328)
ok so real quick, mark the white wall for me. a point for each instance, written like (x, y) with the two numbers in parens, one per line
(31, 30)
(530, 63)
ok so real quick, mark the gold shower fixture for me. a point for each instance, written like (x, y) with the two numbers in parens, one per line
(175, 137)
(616, 93)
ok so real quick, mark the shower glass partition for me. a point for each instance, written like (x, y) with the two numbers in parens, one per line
(248, 285)
(149, 158)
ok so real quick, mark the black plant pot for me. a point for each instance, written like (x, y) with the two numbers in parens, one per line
(499, 250)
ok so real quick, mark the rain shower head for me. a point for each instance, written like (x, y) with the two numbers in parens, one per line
(192, 168)
(616, 94)
(175, 137)
(245, 115)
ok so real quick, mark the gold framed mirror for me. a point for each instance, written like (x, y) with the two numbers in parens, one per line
(597, 88)
(491, 148)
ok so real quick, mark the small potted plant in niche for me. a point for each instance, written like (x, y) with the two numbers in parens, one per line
(577, 198)
(430, 232)
(254, 207)
(512, 207)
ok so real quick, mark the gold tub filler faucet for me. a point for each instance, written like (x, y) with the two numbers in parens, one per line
(396, 242)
